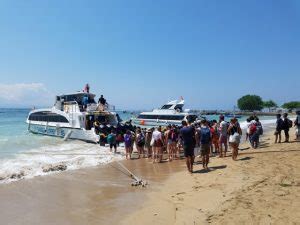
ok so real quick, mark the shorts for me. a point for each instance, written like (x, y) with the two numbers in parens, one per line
(223, 140)
(188, 150)
(140, 145)
(158, 143)
(128, 145)
(277, 132)
(205, 149)
(113, 145)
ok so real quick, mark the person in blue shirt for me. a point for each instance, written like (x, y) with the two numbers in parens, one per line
(85, 101)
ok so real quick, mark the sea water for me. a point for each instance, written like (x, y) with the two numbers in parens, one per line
(26, 155)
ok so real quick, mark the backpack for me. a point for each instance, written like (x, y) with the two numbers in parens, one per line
(205, 135)
(252, 129)
(127, 139)
(290, 123)
(298, 120)
(111, 139)
(216, 132)
(141, 139)
(173, 136)
(260, 130)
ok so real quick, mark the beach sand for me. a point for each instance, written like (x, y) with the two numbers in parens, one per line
(262, 187)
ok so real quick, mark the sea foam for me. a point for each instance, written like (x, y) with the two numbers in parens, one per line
(45, 160)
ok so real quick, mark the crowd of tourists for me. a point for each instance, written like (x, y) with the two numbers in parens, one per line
(283, 123)
(207, 138)
(204, 138)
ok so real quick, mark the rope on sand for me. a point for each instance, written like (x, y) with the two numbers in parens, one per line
(137, 181)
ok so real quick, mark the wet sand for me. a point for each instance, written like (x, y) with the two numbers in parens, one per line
(101, 195)
(259, 188)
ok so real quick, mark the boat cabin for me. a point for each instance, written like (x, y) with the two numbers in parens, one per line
(174, 105)
(74, 102)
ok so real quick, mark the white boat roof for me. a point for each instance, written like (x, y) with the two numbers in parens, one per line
(175, 102)
(78, 93)
(173, 107)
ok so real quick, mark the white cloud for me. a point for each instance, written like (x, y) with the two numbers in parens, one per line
(25, 95)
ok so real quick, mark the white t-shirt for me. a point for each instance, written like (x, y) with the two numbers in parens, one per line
(223, 128)
(156, 135)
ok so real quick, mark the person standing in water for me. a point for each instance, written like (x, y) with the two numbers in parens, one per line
(128, 144)
(188, 136)
(112, 140)
(140, 142)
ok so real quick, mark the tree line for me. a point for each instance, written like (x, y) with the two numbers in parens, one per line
(255, 102)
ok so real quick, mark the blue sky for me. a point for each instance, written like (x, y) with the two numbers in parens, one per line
(140, 54)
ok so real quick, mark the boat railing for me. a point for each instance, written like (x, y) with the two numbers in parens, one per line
(71, 107)
(110, 107)
(99, 107)
(91, 107)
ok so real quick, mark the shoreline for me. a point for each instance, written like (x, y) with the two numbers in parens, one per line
(104, 195)
(62, 156)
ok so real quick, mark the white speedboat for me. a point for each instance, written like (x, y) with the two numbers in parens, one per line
(72, 116)
(170, 113)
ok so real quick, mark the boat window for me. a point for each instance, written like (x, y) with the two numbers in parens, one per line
(79, 98)
(101, 118)
(166, 106)
(47, 116)
(161, 117)
(147, 117)
(178, 107)
(170, 117)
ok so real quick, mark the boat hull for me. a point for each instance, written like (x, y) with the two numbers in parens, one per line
(154, 123)
(55, 131)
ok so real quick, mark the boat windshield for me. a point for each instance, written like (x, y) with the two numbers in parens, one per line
(78, 98)
(178, 107)
(166, 106)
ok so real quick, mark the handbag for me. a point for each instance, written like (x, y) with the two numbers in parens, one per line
(152, 142)
(235, 138)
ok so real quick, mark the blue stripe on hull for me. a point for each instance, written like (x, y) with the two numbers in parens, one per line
(155, 123)
(51, 131)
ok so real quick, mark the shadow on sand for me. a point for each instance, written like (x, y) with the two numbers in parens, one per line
(246, 158)
(210, 169)
(262, 152)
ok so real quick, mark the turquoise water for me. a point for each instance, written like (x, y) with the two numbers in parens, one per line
(14, 136)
